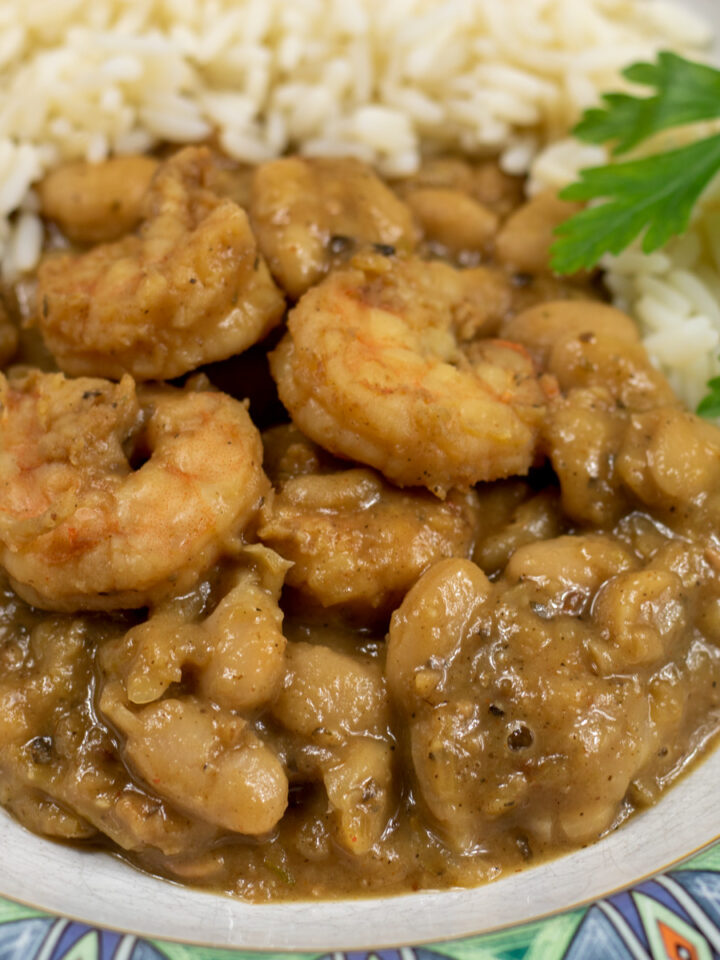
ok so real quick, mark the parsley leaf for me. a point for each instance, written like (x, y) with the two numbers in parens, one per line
(656, 195)
(709, 406)
(653, 196)
(687, 92)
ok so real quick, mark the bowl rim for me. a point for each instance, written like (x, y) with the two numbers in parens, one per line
(641, 848)
(485, 931)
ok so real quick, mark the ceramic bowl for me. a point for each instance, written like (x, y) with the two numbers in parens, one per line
(633, 895)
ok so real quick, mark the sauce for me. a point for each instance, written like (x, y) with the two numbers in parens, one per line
(369, 683)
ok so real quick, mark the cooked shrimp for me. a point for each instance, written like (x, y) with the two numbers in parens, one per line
(356, 543)
(507, 370)
(372, 370)
(189, 288)
(48, 731)
(311, 214)
(235, 652)
(97, 202)
(79, 528)
(210, 762)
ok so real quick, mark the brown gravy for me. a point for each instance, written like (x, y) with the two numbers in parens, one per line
(469, 676)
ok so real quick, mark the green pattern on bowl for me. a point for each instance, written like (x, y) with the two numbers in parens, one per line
(673, 916)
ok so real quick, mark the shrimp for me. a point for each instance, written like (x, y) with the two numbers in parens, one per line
(48, 731)
(79, 527)
(235, 653)
(189, 288)
(356, 543)
(507, 369)
(209, 762)
(372, 369)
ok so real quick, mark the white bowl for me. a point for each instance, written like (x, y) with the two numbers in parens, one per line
(570, 907)
(98, 889)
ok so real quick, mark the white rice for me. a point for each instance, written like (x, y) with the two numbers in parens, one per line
(675, 297)
(377, 79)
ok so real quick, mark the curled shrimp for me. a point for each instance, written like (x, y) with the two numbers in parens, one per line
(357, 544)
(79, 527)
(372, 368)
(188, 288)
(235, 652)
(37, 684)
(211, 763)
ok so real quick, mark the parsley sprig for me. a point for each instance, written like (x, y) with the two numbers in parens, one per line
(686, 92)
(655, 195)
(709, 406)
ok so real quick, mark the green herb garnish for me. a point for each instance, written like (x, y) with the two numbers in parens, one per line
(654, 195)
(687, 92)
(279, 871)
(709, 406)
